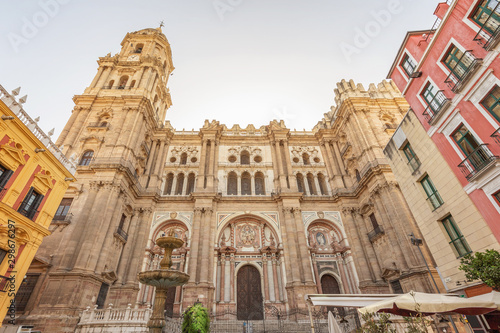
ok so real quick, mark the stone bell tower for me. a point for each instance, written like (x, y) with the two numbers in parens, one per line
(118, 137)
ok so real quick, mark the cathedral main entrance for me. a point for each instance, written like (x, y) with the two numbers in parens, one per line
(249, 301)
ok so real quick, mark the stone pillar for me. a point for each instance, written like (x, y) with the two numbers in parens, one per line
(211, 165)
(238, 185)
(145, 78)
(101, 76)
(266, 281)
(193, 253)
(222, 295)
(280, 280)
(72, 134)
(303, 249)
(205, 251)
(144, 223)
(291, 176)
(252, 184)
(216, 165)
(316, 183)
(184, 185)
(232, 278)
(174, 184)
(218, 283)
(292, 260)
(328, 159)
(279, 159)
(200, 180)
(275, 165)
(154, 145)
(275, 278)
(306, 185)
(160, 161)
(270, 277)
(127, 248)
(316, 275)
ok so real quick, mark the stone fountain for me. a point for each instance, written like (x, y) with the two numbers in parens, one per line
(162, 279)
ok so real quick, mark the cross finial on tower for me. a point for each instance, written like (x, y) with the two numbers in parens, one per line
(162, 24)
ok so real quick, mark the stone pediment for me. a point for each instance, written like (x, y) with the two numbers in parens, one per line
(109, 275)
(42, 183)
(12, 156)
(390, 273)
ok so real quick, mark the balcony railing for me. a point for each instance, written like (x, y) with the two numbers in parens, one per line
(462, 71)
(98, 124)
(414, 163)
(477, 161)
(487, 35)
(376, 233)
(495, 136)
(436, 107)
(435, 200)
(118, 87)
(121, 234)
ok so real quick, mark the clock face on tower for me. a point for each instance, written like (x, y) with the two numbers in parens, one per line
(133, 57)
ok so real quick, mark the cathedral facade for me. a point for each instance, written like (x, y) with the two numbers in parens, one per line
(267, 214)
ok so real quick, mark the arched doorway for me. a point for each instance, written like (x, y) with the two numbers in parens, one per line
(249, 294)
(329, 285)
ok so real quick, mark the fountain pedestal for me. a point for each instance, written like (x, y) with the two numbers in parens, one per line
(162, 279)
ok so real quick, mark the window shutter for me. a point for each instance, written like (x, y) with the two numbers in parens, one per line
(25, 201)
(35, 206)
(5, 178)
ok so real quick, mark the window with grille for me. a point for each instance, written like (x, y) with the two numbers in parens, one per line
(492, 102)
(408, 65)
(5, 175)
(396, 287)
(456, 239)
(374, 221)
(246, 184)
(101, 297)
(3, 253)
(486, 16)
(260, 188)
(232, 184)
(412, 158)
(300, 183)
(30, 203)
(457, 62)
(63, 209)
(245, 157)
(25, 291)
(86, 158)
(433, 196)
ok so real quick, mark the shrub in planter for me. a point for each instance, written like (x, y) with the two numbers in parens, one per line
(484, 266)
(196, 320)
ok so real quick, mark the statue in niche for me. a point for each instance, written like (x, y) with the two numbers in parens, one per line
(272, 241)
(223, 240)
(247, 235)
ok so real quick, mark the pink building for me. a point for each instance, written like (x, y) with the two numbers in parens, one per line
(450, 77)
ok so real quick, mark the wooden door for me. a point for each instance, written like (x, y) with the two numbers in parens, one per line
(249, 294)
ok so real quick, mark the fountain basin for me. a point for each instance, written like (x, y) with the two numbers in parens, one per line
(169, 242)
(163, 278)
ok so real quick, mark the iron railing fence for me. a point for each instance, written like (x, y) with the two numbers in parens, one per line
(487, 35)
(476, 161)
(462, 70)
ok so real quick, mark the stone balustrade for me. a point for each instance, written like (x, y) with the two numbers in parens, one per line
(114, 320)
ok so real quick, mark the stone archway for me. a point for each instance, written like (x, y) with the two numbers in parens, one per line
(249, 294)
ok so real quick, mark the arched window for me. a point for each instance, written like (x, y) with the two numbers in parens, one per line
(245, 157)
(305, 159)
(86, 157)
(103, 124)
(180, 184)
(138, 48)
(132, 84)
(168, 184)
(260, 185)
(184, 158)
(310, 183)
(123, 82)
(322, 184)
(232, 183)
(246, 184)
(111, 84)
(358, 176)
(190, 184)
(300, 183)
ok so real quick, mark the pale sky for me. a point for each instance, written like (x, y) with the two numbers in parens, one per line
(236, 61)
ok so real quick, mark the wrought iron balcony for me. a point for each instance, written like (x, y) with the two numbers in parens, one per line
(376, 233)
(121, 234)
(437, 106)
(477, 161)
(462, 71)
(496, 136)
(487, 36)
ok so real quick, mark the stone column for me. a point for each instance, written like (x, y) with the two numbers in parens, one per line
(200, 180)
(291, 176)
(316, 275)
(222, 295)
(211, 165)
(303, 249)
(279, 159)
(70, 141)
(193, 253)
(280, 281)
(145, 79)
(275, 278)
(135, 263)
(205, 251)
(318, 188)
(266, 281)
(337, 163)
(252, 184)
(103, 76)
(270, 278)
(97, 77)
(232, 278)
(275, 165)
(292, 259)
(216, 165)
(327, 158)
(184, 184)
(218, 283)
(160, 161)
(154, 145)
(306, 184)
(238, 184)
(127, 248)
(174, 184)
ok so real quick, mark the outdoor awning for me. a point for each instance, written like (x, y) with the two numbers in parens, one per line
(348, 300)
(427, 304)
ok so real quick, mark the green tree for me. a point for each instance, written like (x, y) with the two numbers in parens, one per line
(372, 324)
(196, 320)
(484, 266)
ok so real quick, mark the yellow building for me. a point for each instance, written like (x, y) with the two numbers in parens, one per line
(34, 175)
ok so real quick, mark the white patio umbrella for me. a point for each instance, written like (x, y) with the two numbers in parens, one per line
(414, 302)
(333, 326)
(493, 296)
